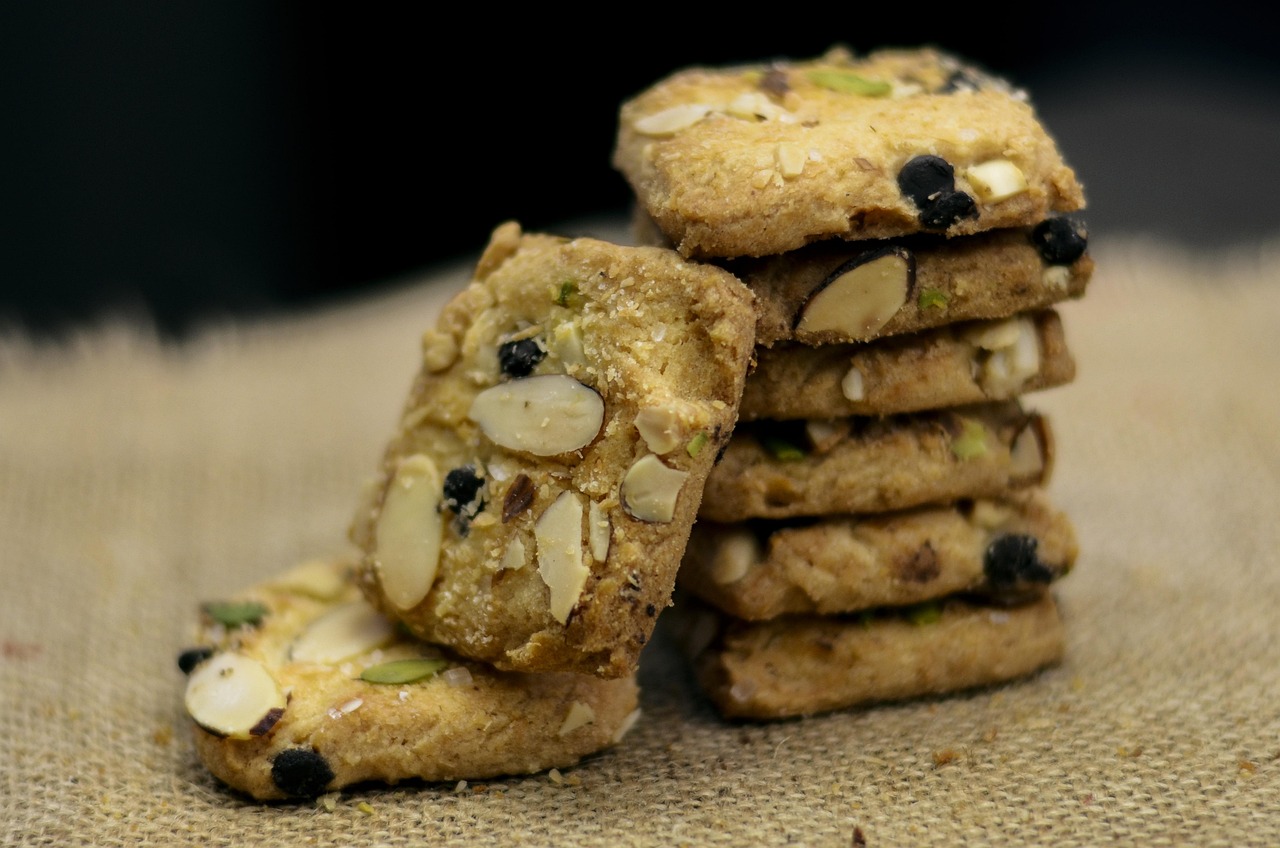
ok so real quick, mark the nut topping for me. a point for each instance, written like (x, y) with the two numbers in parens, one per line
(579, 715)
(1031, 454)
(598, 532)
(859, 297)
(558, 532)
(340, 633)
(671, 121)
(407, 537)
(650, 489)
(544, 415)
(996, 180)
(734, 556)
(234, 696)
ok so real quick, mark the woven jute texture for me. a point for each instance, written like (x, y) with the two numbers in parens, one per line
(138, 478)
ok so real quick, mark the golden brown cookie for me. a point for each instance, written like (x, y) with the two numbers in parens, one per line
(298, 686)
(959, 364)
(534, 503)
(803, 666)
(837, 291)
(784, 469)
(762, 159)
(1004, 550)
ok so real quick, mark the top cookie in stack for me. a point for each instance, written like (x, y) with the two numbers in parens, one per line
(904, 221)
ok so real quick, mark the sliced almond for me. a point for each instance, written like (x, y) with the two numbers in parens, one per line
(996, 180)
(859, 298)
(1007, 367)
(672, 120)
(650, 489)
(665, 426)
(598, 532)
(513, 557)
(543, 415)
(558, 533)
(825, 433)
(737, 551)
(1031, 454)
(579, 715)
(234, 696)
(853, 386)
(407, 537)
(341, 633)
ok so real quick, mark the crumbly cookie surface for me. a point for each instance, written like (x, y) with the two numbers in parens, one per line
(763, 159)
(1007, 549)
(783, 469)
(298, 687)
(836, 292)
(804, 666)
(532, 508)
(958, 364)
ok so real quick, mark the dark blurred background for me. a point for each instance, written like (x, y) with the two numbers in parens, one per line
(183, 162)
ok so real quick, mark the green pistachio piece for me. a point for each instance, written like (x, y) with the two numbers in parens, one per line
(696, 444)
(782, 450)
(933, 299)
(927, 613)
(402, 671)
(567, 295)
(235, 613)
(847, 82)
(971, 443)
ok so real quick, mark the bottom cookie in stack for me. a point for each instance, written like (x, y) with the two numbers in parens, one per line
(842, 611)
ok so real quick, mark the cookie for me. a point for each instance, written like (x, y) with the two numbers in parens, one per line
(1005, 550)
(803, 666)
(836, 291)
(955, 365)
(532, 508)
(763, 159)
(298, 687)
(784, 469)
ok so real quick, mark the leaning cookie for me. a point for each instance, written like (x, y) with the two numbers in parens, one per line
(784, 469)
(836, 291)
(533, 506)
(791, 667)
(299, 687)
(958, 364)
(763, 159)
(1004, 550)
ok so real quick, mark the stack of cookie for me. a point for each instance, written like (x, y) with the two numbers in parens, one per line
(877, 528)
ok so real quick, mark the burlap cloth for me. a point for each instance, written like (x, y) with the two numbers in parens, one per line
(139, 478)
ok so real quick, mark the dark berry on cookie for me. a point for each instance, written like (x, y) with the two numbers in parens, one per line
(947, 208)
(1059, 240)
(520, 357)
(462, 494)
(1012, 566)
(192, 657)
(301, 772)
(924, 178)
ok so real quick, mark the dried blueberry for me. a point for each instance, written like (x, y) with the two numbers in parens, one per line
(1012, 566)
(300, 772)
(925, 177)
(947, 208)
(462, 494)
(518, 358)
(192, 657)
(1059, 241)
